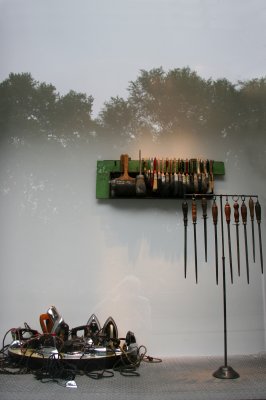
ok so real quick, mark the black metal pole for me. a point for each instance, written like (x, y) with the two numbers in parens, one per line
(224, 372)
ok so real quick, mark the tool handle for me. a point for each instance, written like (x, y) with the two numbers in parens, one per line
(236, 212)
(204, 207)
(124, 159)
(244, 213)
(194, 212)
(155, 183)
(140, 162)
(185, 211)
(227, 210)
(251, 208)
(258, 211)
(46, 323)
(214, 213)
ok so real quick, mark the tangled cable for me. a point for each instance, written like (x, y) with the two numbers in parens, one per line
(57, 369)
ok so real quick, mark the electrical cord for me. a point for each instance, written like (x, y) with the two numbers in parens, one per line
(56, 369)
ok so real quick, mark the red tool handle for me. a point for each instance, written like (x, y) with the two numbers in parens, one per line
(214, 212)
(236, 212)
(46, 323)
(227, 210)
(251, 208)
(258, 211)
(244, 213)
(194, 212)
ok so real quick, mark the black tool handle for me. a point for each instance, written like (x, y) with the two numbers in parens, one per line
(258, 211)
(236, 212)
(204, 207)
(214, 212)
(251, 208)
(185, 211)
(244, 213)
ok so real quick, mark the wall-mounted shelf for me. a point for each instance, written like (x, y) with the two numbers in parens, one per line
(108, 170)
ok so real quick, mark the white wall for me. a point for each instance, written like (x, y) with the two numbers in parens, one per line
(61, 246)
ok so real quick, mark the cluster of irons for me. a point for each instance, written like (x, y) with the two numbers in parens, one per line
(254, 209)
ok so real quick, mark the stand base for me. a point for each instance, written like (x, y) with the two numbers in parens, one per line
(226, 373)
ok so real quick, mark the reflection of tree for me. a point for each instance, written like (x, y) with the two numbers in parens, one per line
(27, 106)
(159, 102)
(165, 102)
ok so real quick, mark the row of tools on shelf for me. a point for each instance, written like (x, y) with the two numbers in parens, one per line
(164, 178)
(254, 210)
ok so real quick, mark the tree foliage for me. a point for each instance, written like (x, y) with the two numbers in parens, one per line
(27, 106)
(165, 102)
(158, 102)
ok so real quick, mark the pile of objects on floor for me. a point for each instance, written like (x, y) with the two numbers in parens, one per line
(59, 352)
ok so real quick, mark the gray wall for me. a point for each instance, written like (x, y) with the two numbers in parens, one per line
(61, 246)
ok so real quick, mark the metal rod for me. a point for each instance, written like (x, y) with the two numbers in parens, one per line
(227, 210)
(213, 195)
(215, 220)
(224, 285)
(185, 211)
(251, 210)
(236, 215)
(204, 215)
(244, 220)
(194, 220)
(258, 217)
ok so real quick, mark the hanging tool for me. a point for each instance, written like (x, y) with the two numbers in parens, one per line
(215, 220)
(185, 211)
(244, 220)
(155, 182)
(176, 187)
(251, 211)
(159, 176)
(236, 216)
(258, 217)
(227, 210)
(194, 220)
(125, 185)
(162, 180)
(167, 179)
(204, 215)
(140, 182)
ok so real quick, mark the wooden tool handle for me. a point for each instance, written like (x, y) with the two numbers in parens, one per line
(185, 211)
(125, 164)
(251, 208)
(194, 211)
(227, 210)
(258, 211)
(204, 207)
(236, 212)
(244, 213)
(214, 213)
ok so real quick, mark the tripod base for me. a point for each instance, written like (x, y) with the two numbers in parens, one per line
(225, 373)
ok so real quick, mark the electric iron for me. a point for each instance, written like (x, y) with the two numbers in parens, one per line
(88, 346)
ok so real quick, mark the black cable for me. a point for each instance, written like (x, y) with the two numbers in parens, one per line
(56, 369)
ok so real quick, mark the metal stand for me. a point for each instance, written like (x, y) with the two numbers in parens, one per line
(225, 371)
